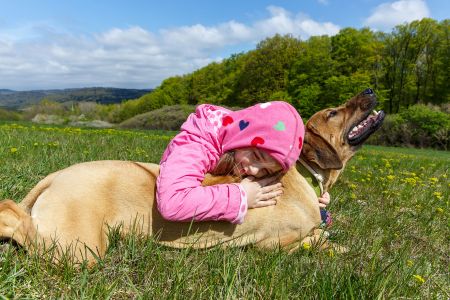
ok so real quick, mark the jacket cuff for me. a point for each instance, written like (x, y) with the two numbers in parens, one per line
(242, 206)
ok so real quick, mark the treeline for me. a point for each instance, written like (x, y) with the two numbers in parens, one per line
(407, 66)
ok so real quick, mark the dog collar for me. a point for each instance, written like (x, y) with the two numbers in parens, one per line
(313, 178)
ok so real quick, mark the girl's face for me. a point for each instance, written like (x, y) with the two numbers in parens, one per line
(254, 162)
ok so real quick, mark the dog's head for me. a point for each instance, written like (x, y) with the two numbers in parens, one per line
(334, 135)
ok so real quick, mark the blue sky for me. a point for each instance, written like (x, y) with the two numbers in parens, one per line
(136, 44)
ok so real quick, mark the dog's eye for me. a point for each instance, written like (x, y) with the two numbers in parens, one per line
(331, 113)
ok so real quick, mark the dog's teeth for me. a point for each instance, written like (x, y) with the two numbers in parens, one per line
(375, 112)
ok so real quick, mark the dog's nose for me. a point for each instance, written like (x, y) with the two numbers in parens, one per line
(368, 91)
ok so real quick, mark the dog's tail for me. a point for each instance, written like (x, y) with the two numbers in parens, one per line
(29, 200)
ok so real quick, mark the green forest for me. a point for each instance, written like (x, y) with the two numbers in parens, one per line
(407, 66)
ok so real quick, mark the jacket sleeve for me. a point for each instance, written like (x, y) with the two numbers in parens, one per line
(180, 195)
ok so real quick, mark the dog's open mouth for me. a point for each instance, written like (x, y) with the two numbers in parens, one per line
(361, 131)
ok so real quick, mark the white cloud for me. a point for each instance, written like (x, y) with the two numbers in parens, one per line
(41, 56)
(281, 21)
(387, 15)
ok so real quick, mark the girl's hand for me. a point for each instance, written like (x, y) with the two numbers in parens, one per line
(262, 192)
(324, 200)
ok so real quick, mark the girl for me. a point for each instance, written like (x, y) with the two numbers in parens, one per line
(257, 143)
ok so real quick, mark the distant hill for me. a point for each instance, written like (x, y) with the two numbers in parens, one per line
(19, 99)
(5, 91)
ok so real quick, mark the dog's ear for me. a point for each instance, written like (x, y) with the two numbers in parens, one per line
(316, 149)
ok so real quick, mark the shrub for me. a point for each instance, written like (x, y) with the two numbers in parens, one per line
(47, 107)
(9, 115)
(418, 126)
(393, 132)
(427, 119)
(165, 118)
(88, 109)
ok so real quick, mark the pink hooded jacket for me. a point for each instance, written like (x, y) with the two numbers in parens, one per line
(275, 127)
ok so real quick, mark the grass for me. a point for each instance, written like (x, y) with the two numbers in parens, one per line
(390, 208)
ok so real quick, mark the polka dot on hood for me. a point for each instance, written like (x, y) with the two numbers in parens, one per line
(275, 127)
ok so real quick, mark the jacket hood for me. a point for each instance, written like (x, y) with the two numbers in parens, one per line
(275, 127)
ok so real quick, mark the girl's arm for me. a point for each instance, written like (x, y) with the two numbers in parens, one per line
(181, 197)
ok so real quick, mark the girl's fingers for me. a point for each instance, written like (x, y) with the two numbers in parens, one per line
(325, 198)
(271, 188)
(271, 195)
(321, 205)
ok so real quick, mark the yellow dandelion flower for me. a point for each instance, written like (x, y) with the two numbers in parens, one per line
(352, 186)
(438, 195)
(440, 210)
(306, 246)
(433, 180)
(352, 196)
(410, 263)
(331, 253)
(13, 150)
(411, 181)
(419, 279)
(390, 177)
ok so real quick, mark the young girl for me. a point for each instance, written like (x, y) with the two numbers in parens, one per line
(257, 143)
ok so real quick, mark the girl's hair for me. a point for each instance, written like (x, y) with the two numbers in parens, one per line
(225, 165)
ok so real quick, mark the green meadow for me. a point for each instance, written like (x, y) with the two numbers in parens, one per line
(390, 209)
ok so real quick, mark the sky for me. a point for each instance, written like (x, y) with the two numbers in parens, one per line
(54, 44)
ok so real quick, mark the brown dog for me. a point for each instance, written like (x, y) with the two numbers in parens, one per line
(74, 206)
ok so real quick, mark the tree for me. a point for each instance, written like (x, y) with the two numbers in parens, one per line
(413, 58)
(355, 50)
(266, 69)
(409, 65)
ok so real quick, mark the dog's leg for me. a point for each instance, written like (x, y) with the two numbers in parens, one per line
(318, 240)
(16, 224)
